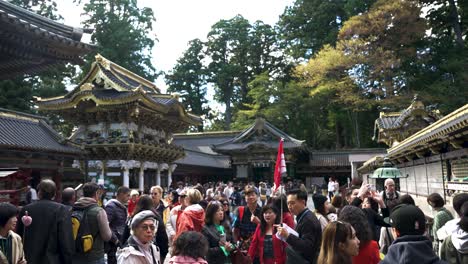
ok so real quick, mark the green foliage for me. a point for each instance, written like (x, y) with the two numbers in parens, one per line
(188, 77)
(237, 51)
(122, 33)
(308, 25)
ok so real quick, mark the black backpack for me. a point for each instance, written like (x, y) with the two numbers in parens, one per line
(81, 230)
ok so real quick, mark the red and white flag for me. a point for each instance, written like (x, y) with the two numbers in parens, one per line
(280, 167)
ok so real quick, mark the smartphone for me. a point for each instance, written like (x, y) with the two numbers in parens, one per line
(223, 238)
(372, 188)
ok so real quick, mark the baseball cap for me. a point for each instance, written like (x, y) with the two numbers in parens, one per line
(408, 220)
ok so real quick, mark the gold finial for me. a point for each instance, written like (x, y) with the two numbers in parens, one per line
(103, 61)
(86, 87)
(175, 95)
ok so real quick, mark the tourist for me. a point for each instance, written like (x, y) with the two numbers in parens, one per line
(339, 244)
(454, 249)
(227, 221)
(390, 195)
(368, 248)
(161, 240)
(68, 198)
(265, 246)
(337, 187)
(247, 217)
(337, 202)
(189, 248)
(228, 190)
(441, 217)
(134, 196)
(11, 246)
(139, 248)
(117, 217)
(321, 209)
(263, 193)
(49, 238)
(306, 246)
(331, 188)
(410, 246)
(157, 194)
(219, 240)
(386, 235)
(236, 197)
(280, 202)
(452, 225)
(171, 225)
(193, 216)
(97, 222)
(376, 221)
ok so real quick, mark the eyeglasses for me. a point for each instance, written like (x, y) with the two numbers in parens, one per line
(151, 227)
(225, 204)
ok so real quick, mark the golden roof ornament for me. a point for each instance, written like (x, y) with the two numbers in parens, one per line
(86, 87)
(103, 61)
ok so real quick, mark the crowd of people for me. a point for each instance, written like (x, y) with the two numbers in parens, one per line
(228, 223)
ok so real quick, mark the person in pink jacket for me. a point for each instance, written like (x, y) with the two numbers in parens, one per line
(189, 248)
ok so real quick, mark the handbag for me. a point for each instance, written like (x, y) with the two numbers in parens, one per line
(240, 257)
(293, 257)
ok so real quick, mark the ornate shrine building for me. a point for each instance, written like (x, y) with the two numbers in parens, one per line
(253, 151)
(124, 124)
(432, 159)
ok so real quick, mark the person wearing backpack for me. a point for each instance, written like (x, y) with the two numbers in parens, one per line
(91, 228)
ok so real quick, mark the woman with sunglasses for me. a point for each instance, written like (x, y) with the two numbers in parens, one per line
(339, 244)
(146, 203)
(219, 240)
(227, 221)
(266, 248)
(139, 248)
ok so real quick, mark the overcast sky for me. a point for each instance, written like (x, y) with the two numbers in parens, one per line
(179, 21)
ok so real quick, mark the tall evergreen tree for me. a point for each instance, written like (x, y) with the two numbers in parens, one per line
(122, 33)
(188, 77)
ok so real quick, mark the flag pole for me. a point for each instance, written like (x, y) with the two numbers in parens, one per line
(281, 200)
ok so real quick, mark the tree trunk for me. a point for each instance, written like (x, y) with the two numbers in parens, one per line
(228, 113)
(455, 23)
(356, 129)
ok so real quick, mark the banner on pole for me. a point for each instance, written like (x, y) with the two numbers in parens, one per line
(280, 166)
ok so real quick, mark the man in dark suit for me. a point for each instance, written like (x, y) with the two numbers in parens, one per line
(49, 238)
(307, 244)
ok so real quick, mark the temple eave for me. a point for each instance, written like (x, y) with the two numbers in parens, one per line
(132, 151)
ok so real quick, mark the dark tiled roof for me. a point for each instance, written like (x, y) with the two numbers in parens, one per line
(28, 132)
(205, 160)
(202, 142)
(386, 122)
(31, 43)
(260, 133)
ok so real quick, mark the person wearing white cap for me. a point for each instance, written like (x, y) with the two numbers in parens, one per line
(140, 248)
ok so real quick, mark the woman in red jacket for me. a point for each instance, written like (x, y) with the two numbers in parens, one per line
(265, 245)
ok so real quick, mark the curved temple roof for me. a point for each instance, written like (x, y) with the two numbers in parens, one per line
(110, 84)
(31, 43)
(260, 133)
